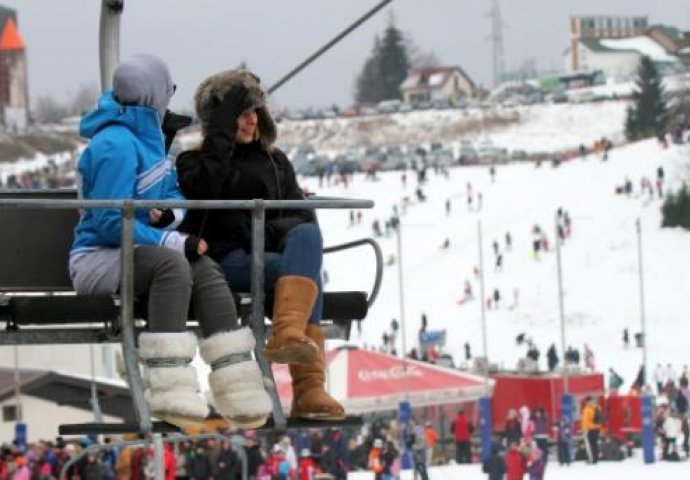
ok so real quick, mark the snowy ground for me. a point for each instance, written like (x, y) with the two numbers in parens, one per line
(600, 268)
(632, 469)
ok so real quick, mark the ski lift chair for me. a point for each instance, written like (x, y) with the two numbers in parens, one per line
(39, 307)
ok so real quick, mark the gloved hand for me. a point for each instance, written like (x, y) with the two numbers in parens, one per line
(227, 110)
(172, 122)
(194, 247)
(161, 218)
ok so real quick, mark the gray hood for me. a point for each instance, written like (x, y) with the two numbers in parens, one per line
(143, 80)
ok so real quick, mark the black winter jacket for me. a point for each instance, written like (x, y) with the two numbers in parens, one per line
(223, 170)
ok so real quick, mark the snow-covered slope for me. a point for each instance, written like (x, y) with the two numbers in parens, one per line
(545, 127)
(600, 267)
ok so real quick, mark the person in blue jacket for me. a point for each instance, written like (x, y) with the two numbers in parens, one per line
(125, 159)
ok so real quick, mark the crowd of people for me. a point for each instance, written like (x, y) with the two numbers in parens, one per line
(53, 175)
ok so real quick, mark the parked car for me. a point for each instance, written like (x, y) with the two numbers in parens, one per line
(388, 106)
(468, 155)
(312, 165)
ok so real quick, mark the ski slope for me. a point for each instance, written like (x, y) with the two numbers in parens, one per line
(599, 261)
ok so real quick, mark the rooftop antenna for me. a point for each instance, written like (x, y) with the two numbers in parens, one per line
(496, 42)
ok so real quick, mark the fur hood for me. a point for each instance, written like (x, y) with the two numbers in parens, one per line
(219, 84)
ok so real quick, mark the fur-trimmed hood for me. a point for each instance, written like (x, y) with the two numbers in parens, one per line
(217, 85)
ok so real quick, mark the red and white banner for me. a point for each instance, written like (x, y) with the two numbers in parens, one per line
(365, 381)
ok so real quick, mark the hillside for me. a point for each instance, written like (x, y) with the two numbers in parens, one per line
(599, 260)
(545, 127)
(600, 268)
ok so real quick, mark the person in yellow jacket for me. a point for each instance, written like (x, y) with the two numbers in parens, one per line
(591, 425)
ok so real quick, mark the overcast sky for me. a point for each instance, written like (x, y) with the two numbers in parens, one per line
(200, 37)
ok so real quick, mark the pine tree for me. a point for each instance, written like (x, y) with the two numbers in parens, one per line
(385, 69)
(368, 84)
(676, 209)
(394, 63)
(649, 114)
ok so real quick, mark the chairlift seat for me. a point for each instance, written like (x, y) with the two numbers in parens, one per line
(38, 304)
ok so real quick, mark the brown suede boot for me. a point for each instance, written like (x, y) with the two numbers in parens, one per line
(293, 301)
(309, 398)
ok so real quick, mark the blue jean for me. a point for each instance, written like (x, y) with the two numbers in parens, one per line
(300, 253)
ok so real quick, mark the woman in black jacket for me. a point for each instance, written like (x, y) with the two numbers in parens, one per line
(237, 161)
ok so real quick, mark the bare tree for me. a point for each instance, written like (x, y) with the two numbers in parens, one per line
(85, 99)
(48, 110)
(421, 58)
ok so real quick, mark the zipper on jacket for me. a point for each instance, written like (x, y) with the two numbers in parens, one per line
(275, 173)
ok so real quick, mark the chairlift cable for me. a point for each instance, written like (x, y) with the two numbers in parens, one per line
(327, 46)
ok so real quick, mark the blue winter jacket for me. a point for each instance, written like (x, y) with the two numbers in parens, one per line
(125, 159)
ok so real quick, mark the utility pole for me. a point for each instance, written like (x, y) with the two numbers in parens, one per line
(485, 415)
(496, 42)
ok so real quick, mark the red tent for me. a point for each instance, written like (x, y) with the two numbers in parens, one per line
(365, 381)
(545, 391)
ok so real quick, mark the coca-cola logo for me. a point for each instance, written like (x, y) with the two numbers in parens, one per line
(395, 372)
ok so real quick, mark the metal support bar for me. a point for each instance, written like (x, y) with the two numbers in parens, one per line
(257, 316)
(109, 40)
(327, 46)
(643, 322)
(141, 408)
(379, 263)
(158, 457)
(185, 204)
(561, 310)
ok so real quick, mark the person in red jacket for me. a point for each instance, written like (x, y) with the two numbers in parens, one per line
(516, 465)
(273, 461)
(306, 467)
(169, 459)
(462, 432)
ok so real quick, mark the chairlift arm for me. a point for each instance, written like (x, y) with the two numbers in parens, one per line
(371, 298)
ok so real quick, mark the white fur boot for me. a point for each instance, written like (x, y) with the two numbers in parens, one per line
(235, 379)
(171, 383)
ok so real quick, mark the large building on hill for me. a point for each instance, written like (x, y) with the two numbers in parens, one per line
(614, 46)
(14, 86)
(591, 28)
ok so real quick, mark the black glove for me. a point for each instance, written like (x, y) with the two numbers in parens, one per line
(227, 110)
(172, 122)
(166, 219)
(191, 248)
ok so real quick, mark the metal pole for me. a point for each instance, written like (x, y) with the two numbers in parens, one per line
(95, 405)
(560, 303)
(485, 416)
(141, 408)
(401, 296)
(327, 46)
(109, 40)
(638, 227)
(485, 347)
(404, 408)
(17, 385)
(257, 315)
(158, 455)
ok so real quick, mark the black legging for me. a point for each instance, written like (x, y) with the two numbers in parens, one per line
(463, 452)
